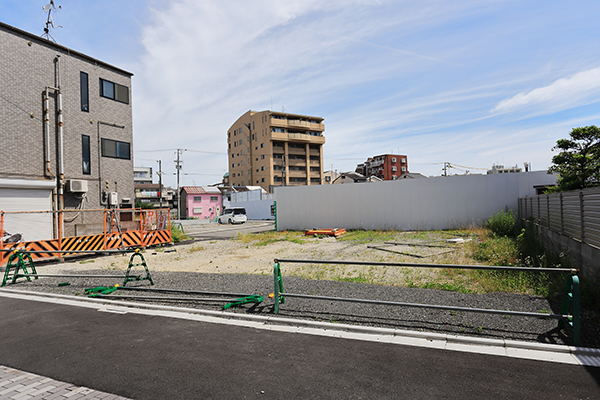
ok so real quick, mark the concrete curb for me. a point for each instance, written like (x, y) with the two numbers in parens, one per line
(511, 348)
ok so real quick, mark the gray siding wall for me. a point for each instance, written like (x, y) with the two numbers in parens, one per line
(27, 67)
(406, 204)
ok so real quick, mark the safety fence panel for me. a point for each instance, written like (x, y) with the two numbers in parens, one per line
(81, 231)
(83, 243)
(575, 214)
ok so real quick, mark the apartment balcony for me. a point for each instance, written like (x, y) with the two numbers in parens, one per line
(293, 150)
(297, 163)
(297, 137)
(301, 137)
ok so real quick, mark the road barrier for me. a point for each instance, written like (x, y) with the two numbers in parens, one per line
(52, 234)
(569, 313)
(24, 261)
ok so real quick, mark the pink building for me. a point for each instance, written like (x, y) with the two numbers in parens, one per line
(200, 202)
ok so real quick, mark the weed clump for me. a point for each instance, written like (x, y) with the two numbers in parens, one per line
(503, 224)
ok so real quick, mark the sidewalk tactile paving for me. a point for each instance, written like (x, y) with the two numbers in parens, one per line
(18, 385)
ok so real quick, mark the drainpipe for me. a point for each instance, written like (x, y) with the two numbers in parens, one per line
(61, 170)
(48, 171)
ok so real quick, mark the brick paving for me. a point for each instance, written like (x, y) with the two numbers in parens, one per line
(20, 385)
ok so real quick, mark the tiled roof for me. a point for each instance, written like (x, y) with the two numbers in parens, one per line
(200, 190)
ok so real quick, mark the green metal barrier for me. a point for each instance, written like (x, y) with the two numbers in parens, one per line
(130, 278)
(570, 303)
(21, 257)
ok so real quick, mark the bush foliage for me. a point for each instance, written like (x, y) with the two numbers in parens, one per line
(503, 224)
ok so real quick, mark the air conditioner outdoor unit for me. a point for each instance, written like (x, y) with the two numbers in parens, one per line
(77, 186)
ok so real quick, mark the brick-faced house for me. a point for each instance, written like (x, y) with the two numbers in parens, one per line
(200, 202)
(387, 167)
(66, 131)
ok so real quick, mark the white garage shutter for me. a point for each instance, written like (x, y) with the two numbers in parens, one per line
(23, 195)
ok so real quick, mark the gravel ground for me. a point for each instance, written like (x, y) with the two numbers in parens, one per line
(234, 267)
(441, 321)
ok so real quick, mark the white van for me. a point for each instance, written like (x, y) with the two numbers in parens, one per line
(235, 215)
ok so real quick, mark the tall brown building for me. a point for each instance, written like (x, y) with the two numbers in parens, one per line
(270, 148)
(387, 166)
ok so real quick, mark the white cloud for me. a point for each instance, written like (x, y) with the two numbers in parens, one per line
(565, 93)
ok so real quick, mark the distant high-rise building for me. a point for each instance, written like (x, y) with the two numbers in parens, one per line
(270, 148)
(387, 167)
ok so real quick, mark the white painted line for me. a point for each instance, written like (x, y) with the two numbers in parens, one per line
(498, 347)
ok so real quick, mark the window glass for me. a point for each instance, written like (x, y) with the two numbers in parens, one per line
(86, 155)
(198, 198)
(114, 91)
(116, 149)
(107, 89)
(85, 92)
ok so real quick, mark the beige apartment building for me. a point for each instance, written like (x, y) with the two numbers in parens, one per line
(270, 148)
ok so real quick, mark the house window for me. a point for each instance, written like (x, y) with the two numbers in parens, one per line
(403, 169)
(86, 155)
(85, 91)
(393, 160)
(214, 198)
(403, 160)
(262, 157)
(198, 199)
(262, 168)
(114, 91)
(394, 169)
(263, 180)
(116, 149)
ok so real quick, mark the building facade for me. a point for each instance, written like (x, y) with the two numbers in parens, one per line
(500, 169)
(270, 149)
(142, 175)
(200, 202)
(387, 167)
(66, 130)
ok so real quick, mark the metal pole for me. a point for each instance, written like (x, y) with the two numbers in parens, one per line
(159, 184)
(182, 291)
(450, 308)
(418, 265)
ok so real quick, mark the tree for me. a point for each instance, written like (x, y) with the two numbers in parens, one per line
(578, 163)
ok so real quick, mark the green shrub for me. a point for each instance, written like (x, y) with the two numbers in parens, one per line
(503, 223)
(177, 234)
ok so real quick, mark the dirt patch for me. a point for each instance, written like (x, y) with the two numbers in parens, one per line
(229, 256)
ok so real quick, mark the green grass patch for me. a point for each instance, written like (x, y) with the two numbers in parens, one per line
(266, 238)
(177, 235)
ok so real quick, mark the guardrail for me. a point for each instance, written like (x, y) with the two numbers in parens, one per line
(569, 313)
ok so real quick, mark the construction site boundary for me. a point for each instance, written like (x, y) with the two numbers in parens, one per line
(116, 229)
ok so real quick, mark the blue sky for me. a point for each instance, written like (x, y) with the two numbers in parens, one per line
(473, 83)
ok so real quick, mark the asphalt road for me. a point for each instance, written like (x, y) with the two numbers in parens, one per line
(204, 230)
(154, 357)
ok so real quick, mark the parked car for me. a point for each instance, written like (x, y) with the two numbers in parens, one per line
(235, 215)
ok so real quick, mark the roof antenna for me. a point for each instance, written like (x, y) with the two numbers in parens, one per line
(49, 22)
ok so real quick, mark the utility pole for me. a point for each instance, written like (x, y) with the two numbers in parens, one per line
(251, 164)
(159, 184)
(283, 171)
(178, 167)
